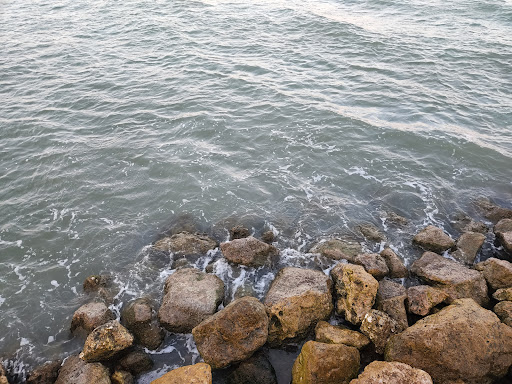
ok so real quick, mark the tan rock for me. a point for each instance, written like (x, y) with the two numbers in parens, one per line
(383, 372)
(374, 264)
(492, 211)
(330, 334)
(76, 371)
(498, 273)
(422, 298)
(90, 316)
(337, 249)
(379, 327)
(504, 311)
(503, 294)
(371, 232)
(106, 341)
(506, 240)
(45, 374)
(391, 298)
(185, 243)
(320, 363)
(248, 251)
(468, 246)
(395, 265)
(433, 239)
(122, 377)
(200, 373)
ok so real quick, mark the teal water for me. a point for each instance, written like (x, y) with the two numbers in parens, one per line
(307, 117)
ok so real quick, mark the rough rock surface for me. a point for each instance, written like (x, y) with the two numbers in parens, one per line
(3, 378)
(190, 296)
(422, 298)
(255, 370)
(248, 251)
(504, 311)
(106, 341)
(139, 318)
(356, 290)
(90, 316)
(76, 371)
(391, 298)
(185, 243)
(296, 301)
(95, 282)
(45, 374)
(371, 232)
(379, 327)
(464, 223)
(199, 373)
(374, 264)
(135, 362)
(238, 232)
(396, 266)
(268, 237)
(320, 363)
(453, 278)
(498, 273)
(493, 212)
(506, 240)
(232, 334)
(503, 294)
(433, 239)
(503, 231)
(383, 372)
(504, 225)
(122, 377)
(337, 249)
(330, 334)
(468, 246)
(461, 342)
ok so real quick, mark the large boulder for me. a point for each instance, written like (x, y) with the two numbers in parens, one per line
(468, 246)
(232, 334)
(45, 374)
(337, 249)
(248, 251)
(433, 239)
(383, 372)
(395, 265)
(330, 334)
(255, 370)
(139, 318)
(379, 327)
(199, 373)
(492, 211)
(355, 289)
(106, 341)
(296, 301)
(461, 342)
(374, 264)
(186, 243)
(190, 296)
(391, 298)
(320, 363)
(497, 272)
(453, 278)
(422, 298)
(76, 371)
(90, 316)
(504, 311)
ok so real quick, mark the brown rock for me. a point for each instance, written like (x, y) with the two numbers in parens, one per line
(395, 218)
(185, 243)
(433, 239)
(3, 378)
(296, 301)
(94, 282)
(391, 298)
(422, 298)
(492, 211)
(90, 316)
(356, 290)
(464, 223)
(330, 334)
(374, 264)
(371, 232)
(106, 341)
(468, 246)
(268, 237)
(503, 294)
(248, 251)
(461, 342)
(200, 373)
(122, 377)
(232, 334)
(255, 370)
(135, 362)
(139, 318)
(504, 225)
(337, 249)
(320, 363)
(498, 273)
(396, 267)
(190, 296)
(238, 232)
(383, 372)
(45, 374)
(504, 311)
(76, 371)
(453, 278)
(505, 239)
(379, 327)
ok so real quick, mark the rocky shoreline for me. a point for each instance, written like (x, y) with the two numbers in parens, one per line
(445, 319)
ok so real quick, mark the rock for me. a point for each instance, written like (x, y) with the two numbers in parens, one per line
(45, 374)
(391, 298)
(238, 232)
(453, 278)
(296, 301)
(185, 243)
(268, 237)
(422, 298)
(3, 378)
(199, 373)
(122, 377)
(190, 296)
(468, 246)
(135, 362)
(232, 334)
(464, 223)
(395, 218)
(90, 316)
(373, 263)
(498, 273)
(181, 263)
(76, 371)
(504, 225)
(433, 239)
(383, 372)
(506, 240)
(330, 334)
(255, 370)
(504, 311)
(371, 232)
(379, 327)
(461, 342)
(355, 289)
(492, 211)
(244, 290)
(248, 251)
(503, 232)
(337, 249)
(396, 267)
(106, 341)
(139, 318)
(95, 282)
(503, 294)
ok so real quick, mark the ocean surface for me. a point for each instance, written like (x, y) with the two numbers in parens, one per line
(119, 119)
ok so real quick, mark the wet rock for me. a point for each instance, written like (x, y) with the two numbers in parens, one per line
(248, 251)
(453, 278)
(3, 378)
(504, 225)
(135, 362)
(199, 373)
(374, 264)
(95, 282)
(433, 239)
(355, 289)
(391, 298)
(396, 267)
(238, 232)
(185, 243)
(371, 232)
(232, 334)
(45, 374)
(464, 223)
(182, 263)
(190, 296)
(492, 211)
(105, 342)
(396, 219)
(268, 237)
(255, 370)
(296, 301)
(422, 298)
(330, 334)
(320, 363)
(76, 371)
(468, 246)
(504, 311)
(383, 372)
(498, 273)
(461, 342)
(139, 318)
(244, 290)
(503, 294)
(337, 249)
(379, 327)
(503, 232)
(90, 316)
(122, 377)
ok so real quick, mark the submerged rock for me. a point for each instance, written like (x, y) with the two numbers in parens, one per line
(330, 334)
(76, 371)
(139, 318)
(396, 266)
(248, 251)
(379, 327)
(383, 372)
(498, 273)
(374, 264)
(199, 373)
(45, 374)
(90, 316)
(268, 237)
(186, 243)
(371, 232)
(337, 249)
(492, 211)
(391, 298)
(433, 239)
(255, 370)
(238, 232)
(296, 301)
(468, 246)
(504, 311)
(463, 223)
(95, 282)
(106, 341)
(422, 298)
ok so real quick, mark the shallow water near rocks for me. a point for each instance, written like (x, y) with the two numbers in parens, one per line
(304, 117)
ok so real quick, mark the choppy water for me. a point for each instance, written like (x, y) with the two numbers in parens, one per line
(307, 117)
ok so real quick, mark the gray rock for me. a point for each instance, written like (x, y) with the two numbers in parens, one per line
(391, 298)
(140, 319)
(338, 249)
(90, 316)
(371, 232)
(433, 239)
(468, 246)
(374, 264)
(185, 243)
(379, 327)
(498, 273)
(76, 371)
(248, 251)
(135, 362)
